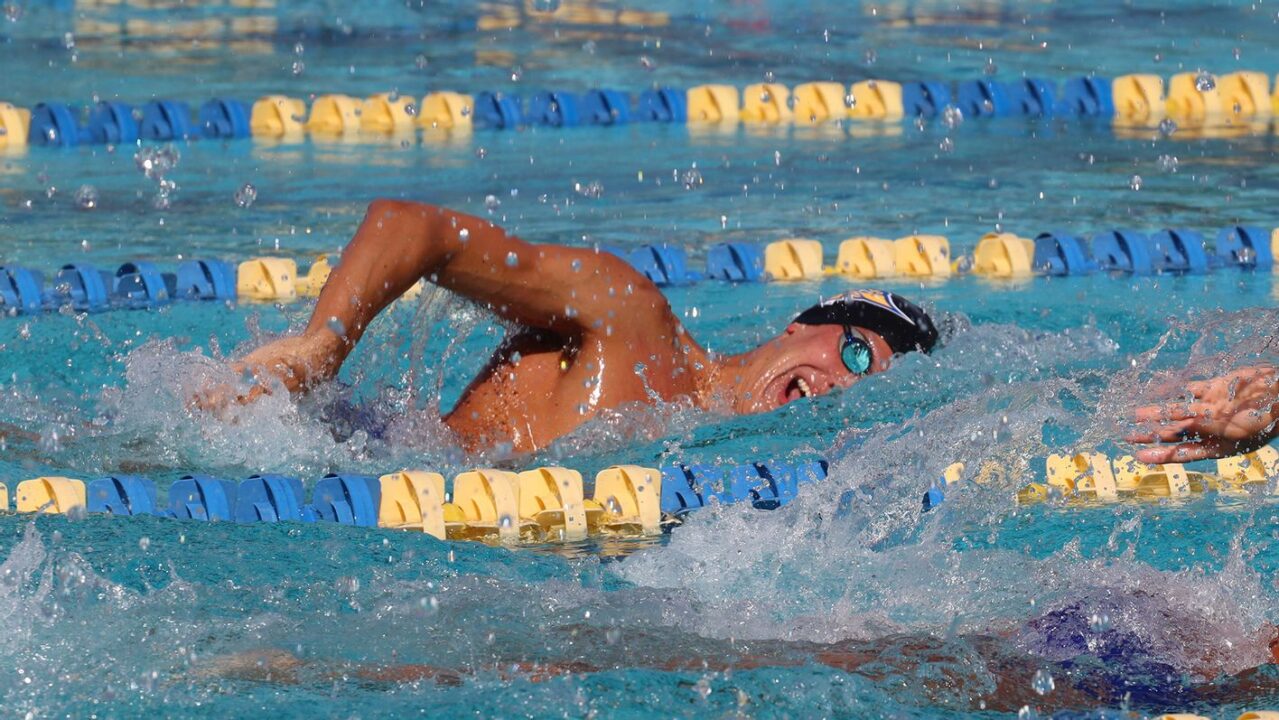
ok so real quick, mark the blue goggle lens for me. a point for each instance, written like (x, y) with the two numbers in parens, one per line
(856, 354)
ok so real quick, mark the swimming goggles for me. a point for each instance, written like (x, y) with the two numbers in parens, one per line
(856, 352)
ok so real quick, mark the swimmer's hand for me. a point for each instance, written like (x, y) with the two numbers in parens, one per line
(296, 362)
(1228, 415)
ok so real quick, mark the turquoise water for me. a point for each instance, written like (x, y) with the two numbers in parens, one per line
(121, 618)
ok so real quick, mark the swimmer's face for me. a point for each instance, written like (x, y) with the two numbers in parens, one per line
(804, 361)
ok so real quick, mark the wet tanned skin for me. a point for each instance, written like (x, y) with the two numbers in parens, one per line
(590, 321)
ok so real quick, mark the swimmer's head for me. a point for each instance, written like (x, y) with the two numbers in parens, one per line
(831, 345)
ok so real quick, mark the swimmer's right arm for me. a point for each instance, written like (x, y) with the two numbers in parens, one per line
(1235, 413)
(563, 289)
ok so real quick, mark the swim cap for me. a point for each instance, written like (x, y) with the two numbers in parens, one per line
(903, 324)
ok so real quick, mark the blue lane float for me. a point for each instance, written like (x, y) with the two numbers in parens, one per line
(122, 495)
(270, 498)
(982, 98)
(606, 107)
(663, 105)
(924, 99)
(20, 289)
(224, 118)
(166, 120)
(202, 497)
(112, 122)
(53, 124)
(1244, 246)
(82, 287)
(142, 285)
(205, 280)
(1060, 253)
(1032, 97)
(1179, 251)
(735, 262)
(664, 265)
(347, 499)
(1125, 251)
(497, 110)
(1087, 97)
(554, 108)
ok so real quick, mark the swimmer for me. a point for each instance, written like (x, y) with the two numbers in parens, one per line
(1228, 415)
(595, 333)
(995, 671)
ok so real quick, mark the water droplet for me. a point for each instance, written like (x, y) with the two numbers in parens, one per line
(1236, 53)
(850, 101)
(593, 189)
(86, 198)
(12, 12)
(1027, 713)
(298, 48)
(612, 635)
(1204, 81)
(1246, 256)
(410, 109)
(1099, 622)
(463, 235)
(517, 73)
(491, 202)
(421, 61)
(692, 178)
(297, 68)
(946, 145)
(952, 117)
(336, 327)
(144, 543)
(576, 265)
(1167, 127)
(582, 408)
(1135, 182)
(246, 195)
(991, 68)
(646, 62)
(1043, 682)
(546, 6)
(505, 522)
(512, 259)
(870, 56)
(1168, 163)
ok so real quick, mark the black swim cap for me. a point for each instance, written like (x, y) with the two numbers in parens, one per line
(903, 324)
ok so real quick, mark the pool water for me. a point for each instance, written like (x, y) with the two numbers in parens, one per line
(121, 618)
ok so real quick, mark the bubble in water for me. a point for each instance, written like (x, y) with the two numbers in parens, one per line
(512, 259)
(1043, 682)
(1135, 182)
(946, 145)
(593, 189)
(991, 68)
(952, 117)
(1168, 163)
(1204, 81)
(246, 195)
(491, 202)
(870, 56)
(546, 6)
(86, 198)
(1167, 127)
(144, 543)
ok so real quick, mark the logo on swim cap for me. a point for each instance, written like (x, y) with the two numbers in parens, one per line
(903, 325)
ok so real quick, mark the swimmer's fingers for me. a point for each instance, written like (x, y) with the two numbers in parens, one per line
(1173, 431)
(1184, 452)
(1171, 412)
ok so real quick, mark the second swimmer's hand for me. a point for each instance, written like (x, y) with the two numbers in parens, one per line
(294, 362)
(1235, 413)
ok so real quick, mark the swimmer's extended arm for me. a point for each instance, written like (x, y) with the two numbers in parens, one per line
(572, 291)
(1237, 412)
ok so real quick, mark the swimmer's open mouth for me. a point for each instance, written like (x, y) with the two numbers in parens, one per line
(798, 388)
